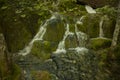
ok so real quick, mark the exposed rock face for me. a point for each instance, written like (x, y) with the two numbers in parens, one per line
(72, 65)
(76, 64)
(8, 70)
(100, 3)
(3, 59)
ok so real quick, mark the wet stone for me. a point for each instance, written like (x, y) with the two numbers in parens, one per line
(55, 30)
(73, 64)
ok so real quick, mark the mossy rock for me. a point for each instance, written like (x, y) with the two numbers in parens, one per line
(43, 49)
(41, 75)
(16, 34)
(18, 31)
(90, 25)
(55, 31)
(108, 27)
(71, 41)
(14, 74)
(72, 27)
(109, 15)
(99, 43)
(3, 68)
(116, 52)
(70, 8)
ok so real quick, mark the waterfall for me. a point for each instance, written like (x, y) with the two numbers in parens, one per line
(61, 45)
(101, 34)
(89, 9)
(82, 37)
(38, 36)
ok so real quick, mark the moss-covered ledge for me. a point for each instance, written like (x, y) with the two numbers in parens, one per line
(99, 43)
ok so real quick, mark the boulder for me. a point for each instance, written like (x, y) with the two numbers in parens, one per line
(90, 25)
(100, 3)
(99, 43)
(55, 30)
(18, 31)
(43, 49)
(76, 64)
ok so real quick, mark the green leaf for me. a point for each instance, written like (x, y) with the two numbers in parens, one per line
(4, 7)
(18, 11)
(23, 15)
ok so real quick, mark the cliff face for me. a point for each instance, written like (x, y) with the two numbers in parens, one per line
(99, 3)
(8, 69)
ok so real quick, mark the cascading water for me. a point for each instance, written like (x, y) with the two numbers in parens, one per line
(61, 46)
(80, 21)
(38, 36)
(81, 38)
(77, 61)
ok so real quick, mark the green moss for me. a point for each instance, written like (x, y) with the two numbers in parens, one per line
(55, 31)
(19, 25)
(108, 27)
(14, 73)
(99, 43)
(3, 68)
(40, 50)
(17, 30)
(41, 75)
(116, 52)
(90, 25)
(70, 8)
(107, 10)
(72, 28)
(43, 49)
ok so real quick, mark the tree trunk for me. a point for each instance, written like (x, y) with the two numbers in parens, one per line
(117, 28)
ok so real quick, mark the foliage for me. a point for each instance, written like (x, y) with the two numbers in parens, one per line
(107, 10)
(14, 74)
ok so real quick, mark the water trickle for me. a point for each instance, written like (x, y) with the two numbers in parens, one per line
(38, 36)
(90, 9)
(79, 49)
(80, 21)
(101, 34)
(61, 45)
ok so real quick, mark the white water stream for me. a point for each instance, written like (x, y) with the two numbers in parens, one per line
(82, 37)
(89, 9)
(101, 33)
(38, 36)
